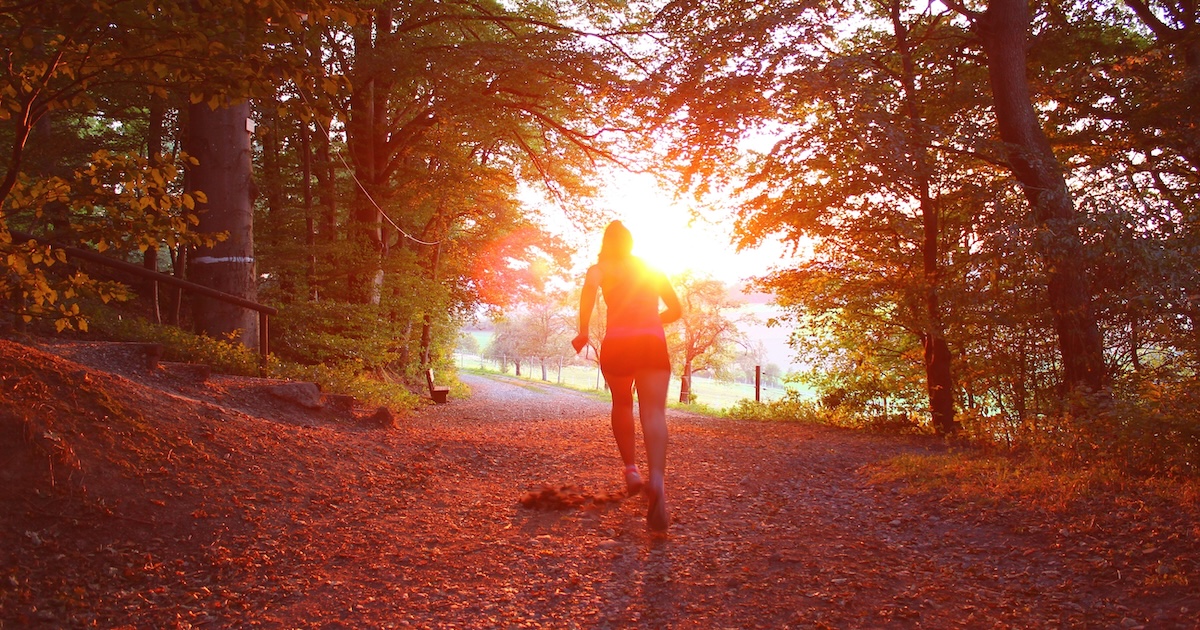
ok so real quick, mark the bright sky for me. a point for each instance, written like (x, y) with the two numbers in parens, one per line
(665, 236)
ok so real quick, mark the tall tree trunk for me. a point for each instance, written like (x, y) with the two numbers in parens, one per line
(685, 383)
(326, 223)
(427, 324)
(154, 149)
(220, 141)
(367, 140)
(310, 230)
(939, 379)
(327, 208)
(272, 178)
(1003, 30)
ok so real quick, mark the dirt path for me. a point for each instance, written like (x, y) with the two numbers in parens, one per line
(286, 523)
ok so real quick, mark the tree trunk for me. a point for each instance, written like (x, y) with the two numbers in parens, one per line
(272, 184)
(685, 383)
(154, 147)
(1003, 30)
(427, 326)
(939, 379)
(310, 230)
(220, 141)
(367, 140)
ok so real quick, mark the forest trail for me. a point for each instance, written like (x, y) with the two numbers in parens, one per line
(241, 512)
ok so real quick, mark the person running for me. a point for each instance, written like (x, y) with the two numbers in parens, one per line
(633, 355)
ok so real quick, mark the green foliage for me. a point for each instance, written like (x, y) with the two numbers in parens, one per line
(1156, 433)
(795, 408)
(349, 379)
(877, 117)
(229, 357)
(334, 333)
(223, 355)
(116, 202)
(467, 343)
(790, 408)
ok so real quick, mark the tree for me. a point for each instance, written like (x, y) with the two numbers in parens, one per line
(86, 62)
(860, 164)
(464, 91)
(1003, 29)
(890, 166)
(707, 333)
(540, 329)
(219, 140)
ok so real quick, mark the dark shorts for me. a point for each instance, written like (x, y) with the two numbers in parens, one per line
(625, 356)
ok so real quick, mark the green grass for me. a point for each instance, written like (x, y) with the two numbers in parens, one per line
(708, 392)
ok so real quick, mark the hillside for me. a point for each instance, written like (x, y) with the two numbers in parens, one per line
(139, 498)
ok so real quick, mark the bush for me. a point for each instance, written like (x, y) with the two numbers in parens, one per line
(230, 357)
(334, 333)
(223, 355)
(344, 379)
(791, 408)
(1153, 433)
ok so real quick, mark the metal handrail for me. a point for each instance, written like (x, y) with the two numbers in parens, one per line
(264, 311)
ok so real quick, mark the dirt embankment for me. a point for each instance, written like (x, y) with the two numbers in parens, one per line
(136, 498)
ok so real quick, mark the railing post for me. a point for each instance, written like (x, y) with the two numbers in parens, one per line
(758, 383)
(263, 335)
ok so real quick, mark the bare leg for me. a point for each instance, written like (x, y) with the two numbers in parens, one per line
(622, 417)
(652, 409)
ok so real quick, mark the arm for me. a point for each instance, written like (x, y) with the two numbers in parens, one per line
(587, 302)
(667, 293)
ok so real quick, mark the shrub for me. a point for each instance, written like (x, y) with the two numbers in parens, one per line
(230, 357)
(345, 379)
(791, 408)
(223, 355)
(1153, 433)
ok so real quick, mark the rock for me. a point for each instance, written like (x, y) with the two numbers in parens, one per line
(154, 354)
(197, 372)
(382, 418)
(339, 402)
(303, 394)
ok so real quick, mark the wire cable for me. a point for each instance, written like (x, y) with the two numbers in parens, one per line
(361, 187)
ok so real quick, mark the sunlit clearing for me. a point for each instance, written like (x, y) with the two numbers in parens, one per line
(666, 237)
(662, 235)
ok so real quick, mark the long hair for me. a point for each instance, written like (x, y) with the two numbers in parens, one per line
(617, 243)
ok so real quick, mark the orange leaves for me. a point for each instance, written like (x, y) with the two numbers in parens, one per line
(117, 202)
(565, 497)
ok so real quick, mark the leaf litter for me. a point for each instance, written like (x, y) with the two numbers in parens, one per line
(160, 501)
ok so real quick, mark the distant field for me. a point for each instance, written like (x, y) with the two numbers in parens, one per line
(710, 392)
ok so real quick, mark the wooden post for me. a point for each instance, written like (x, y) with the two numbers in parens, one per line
(758, 383)
(264, 344)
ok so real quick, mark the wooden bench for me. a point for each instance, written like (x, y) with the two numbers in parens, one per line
(436, 392)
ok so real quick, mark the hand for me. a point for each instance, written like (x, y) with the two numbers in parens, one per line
(579, 342)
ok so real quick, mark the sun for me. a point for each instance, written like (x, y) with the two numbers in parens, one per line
(669, 238)
(660, 226)
(666, 243)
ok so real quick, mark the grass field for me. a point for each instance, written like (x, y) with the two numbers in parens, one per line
(709, 392)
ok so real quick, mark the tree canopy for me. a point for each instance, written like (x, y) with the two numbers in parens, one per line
(992, 204)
